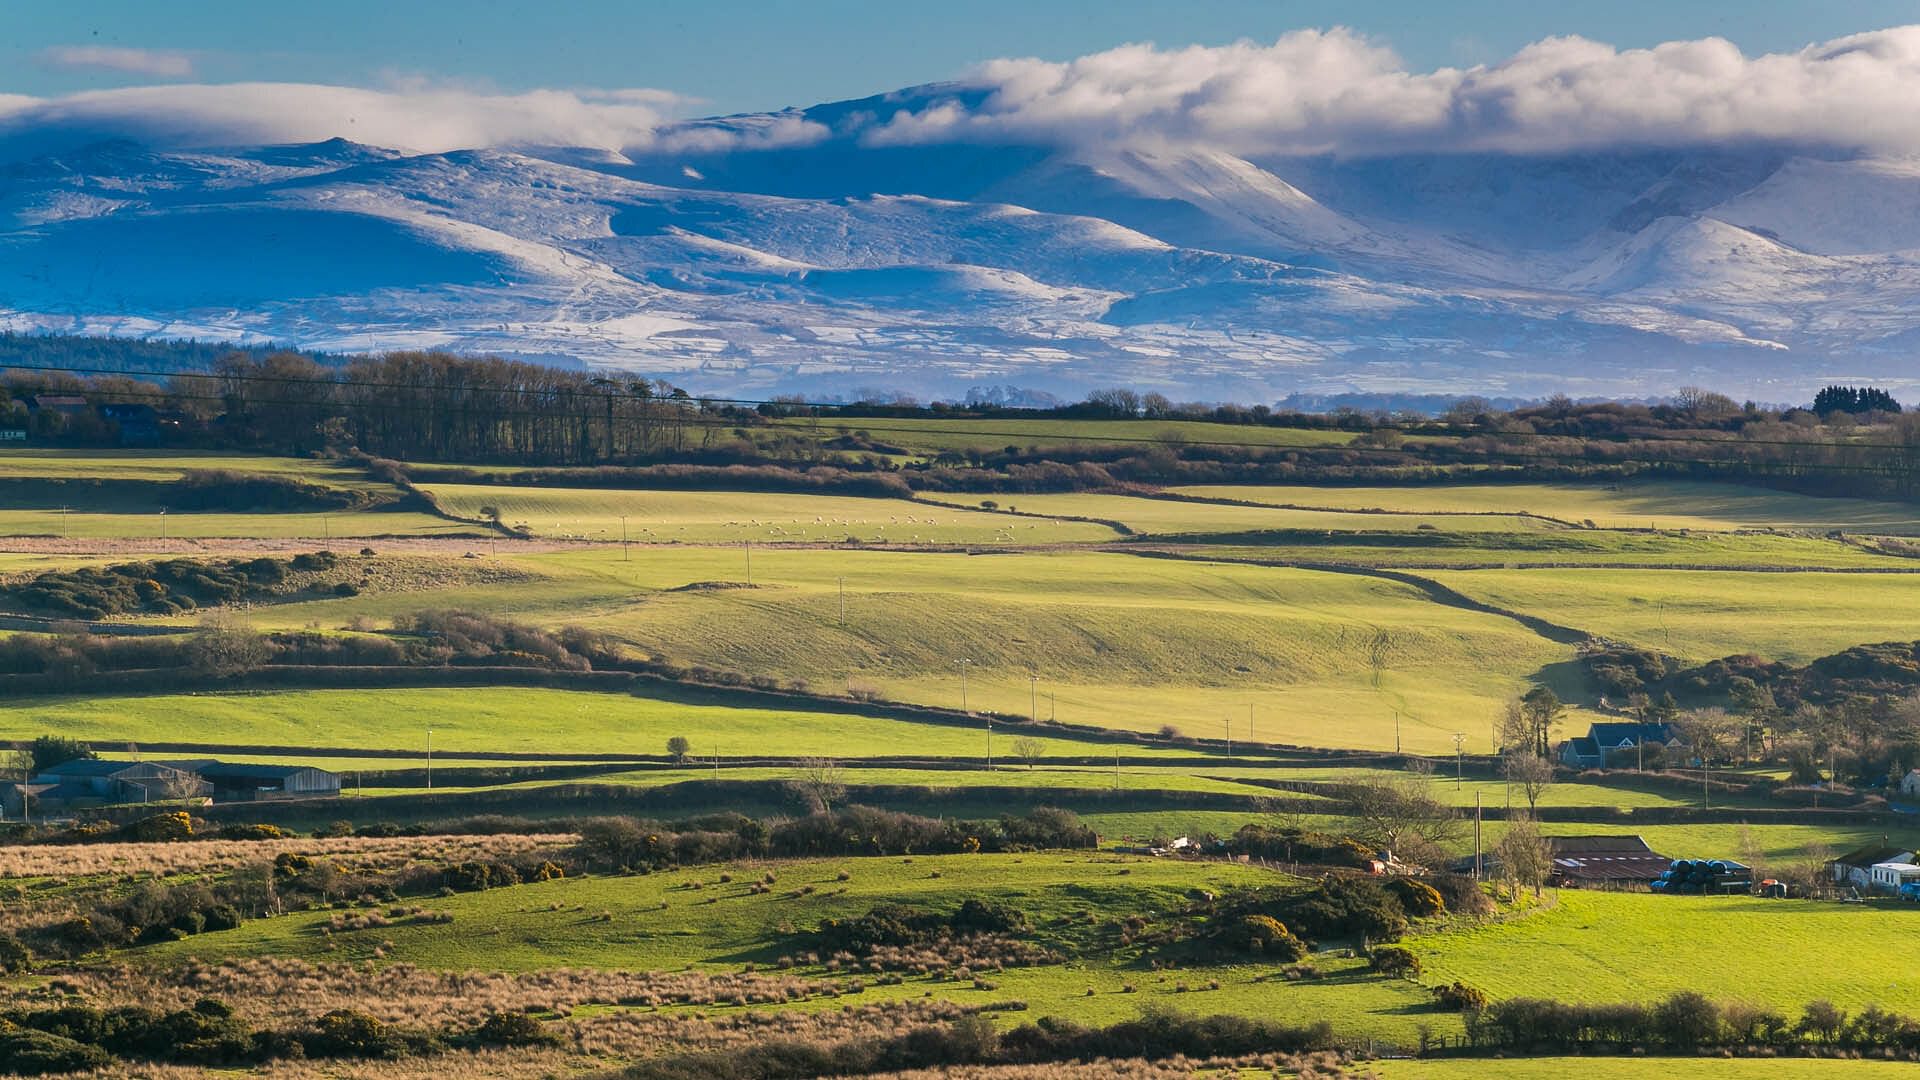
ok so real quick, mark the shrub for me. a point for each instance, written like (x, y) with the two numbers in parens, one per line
(1462, 895)
(1420, 899)
(26, 1052)
(513, 1029)
(1395, 961)
(1265, 935)
(347, 1033)
(15, 957)
(174, 826)
(1461, 997)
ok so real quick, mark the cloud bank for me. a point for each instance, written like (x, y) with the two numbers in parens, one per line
(423, 119)
(158, 63)
(1310, 91)
(1338, 92)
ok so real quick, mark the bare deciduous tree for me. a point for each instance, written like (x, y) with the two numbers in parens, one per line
(1526, 859)
(1029, 749)
(1532, 773)
(1398, 812)
(820, 778)
(224, 645)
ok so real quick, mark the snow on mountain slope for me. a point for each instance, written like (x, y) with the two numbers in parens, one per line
(1834, 207)
(822, 262)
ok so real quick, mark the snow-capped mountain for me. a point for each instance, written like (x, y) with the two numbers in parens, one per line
(836, 263)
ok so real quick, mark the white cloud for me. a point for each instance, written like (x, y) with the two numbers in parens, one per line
(1336, 91)
(1310, 91)
(417, 118)
(158, 63)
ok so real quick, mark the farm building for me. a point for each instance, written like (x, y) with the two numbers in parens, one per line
(244, 783)
(1604, 860)
(1910, 784)
(1855, 868)
(1597, 747)
(87, 781)
(1889, 876)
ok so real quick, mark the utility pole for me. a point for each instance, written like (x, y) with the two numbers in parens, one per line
(623, 538)
(964, 665)
(749, 564)
(1116, 769)
(1229, 738)
(1033, 685)
(1476, 836)
(1459, 759)
(429, 759)
(989, 742)
(843, 600)
(1396, 731)
(1250, 721)
(1052, 713)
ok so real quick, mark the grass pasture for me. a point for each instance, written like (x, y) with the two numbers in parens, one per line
(533, 721)
(926, 437)
(1149, 516)
(1114, 640)
(1601, 946)
(1701, 615)
(738, 517)
(1634, 504)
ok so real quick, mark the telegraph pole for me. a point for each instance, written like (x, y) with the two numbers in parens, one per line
(843, 600)
(964, 665)
(429, 759)
(623, 538)
(749, 564)
(1476, 836)
(1459, 759)
(1229, 738)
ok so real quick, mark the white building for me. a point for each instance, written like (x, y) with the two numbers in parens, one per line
(1889, 876)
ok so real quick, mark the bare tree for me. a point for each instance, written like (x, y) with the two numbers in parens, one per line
(820, 778)
(1029, 749)
(1532, 773)
(1526, 859)
(224, 645)
(176, 785)
(1708, 732)
(1398, 812)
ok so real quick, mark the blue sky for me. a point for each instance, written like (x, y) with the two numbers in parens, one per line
(734, 55)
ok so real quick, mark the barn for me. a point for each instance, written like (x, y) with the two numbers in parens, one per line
(233, 782)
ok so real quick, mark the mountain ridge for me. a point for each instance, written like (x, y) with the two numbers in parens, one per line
(798, 268)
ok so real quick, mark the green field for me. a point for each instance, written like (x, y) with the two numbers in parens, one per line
(519, 929)
(1703, 615)
(1547, 548)
(497, 718)
(1580, 946)
(1150, 516)
(1634, 504)
(1114, 640)
(1598, 947)
(739, 517)
(926, 437)
(160, 466)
